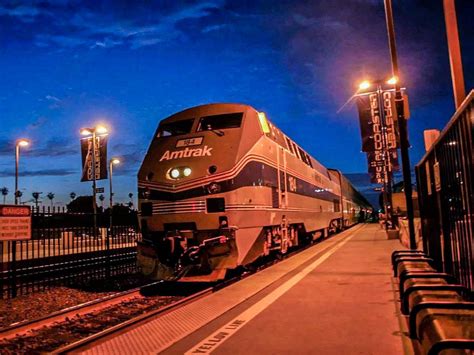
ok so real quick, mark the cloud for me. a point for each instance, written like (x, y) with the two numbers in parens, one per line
(55, 102)
(55, 147)
(52, 98)
(130, 156)
(41, 121)
(318, 22)
(7, 147)
(42, 172)
(25, 13)
(213, 28)
(71, 24)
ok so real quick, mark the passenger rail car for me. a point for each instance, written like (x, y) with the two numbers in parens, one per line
(221, 186)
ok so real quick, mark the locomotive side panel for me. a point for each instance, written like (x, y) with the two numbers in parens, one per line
(221, 186)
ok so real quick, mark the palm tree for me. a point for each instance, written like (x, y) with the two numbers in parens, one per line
(36, 196)
(130, 204)
(102, 198)
(50, 195)
(4, 193)
(19, 194)
(72, 195)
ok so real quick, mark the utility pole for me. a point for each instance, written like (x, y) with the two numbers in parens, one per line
(402, 123)
(454, 48)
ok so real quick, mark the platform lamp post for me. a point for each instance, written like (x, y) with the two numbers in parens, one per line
(19, 143)
(92, 132)
(402, 122)
(112, 162)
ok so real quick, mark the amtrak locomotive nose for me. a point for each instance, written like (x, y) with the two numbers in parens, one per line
(221, 186)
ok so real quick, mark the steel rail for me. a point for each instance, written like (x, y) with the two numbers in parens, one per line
(23, 327)
(118, 329)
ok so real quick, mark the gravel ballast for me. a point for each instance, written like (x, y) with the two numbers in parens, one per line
(39, 304)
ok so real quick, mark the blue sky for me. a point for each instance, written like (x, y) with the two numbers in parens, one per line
(129, 64)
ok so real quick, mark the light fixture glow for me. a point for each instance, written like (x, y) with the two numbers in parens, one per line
(392, 81)
(86, 131)
(101, 129)
(115, 161)
(187, 171)
(90, 131)
(23, 142)
(364, 85)
(174, 173)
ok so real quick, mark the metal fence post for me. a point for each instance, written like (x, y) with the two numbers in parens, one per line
(13, 289)
(107, 247)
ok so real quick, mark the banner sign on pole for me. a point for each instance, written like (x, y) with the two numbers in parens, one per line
(15, 222)
(100, 158)
(371, 121)
(379, 175)
(376, 159)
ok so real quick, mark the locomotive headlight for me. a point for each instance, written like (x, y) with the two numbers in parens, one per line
(174, 173)
(187, 171)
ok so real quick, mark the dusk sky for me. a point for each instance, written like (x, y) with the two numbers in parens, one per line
(129, 64)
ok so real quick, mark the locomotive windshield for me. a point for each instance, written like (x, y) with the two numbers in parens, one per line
(217, 122)
(175, 128)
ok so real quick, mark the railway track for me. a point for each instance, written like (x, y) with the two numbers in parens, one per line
(122, 327)
(84, 308)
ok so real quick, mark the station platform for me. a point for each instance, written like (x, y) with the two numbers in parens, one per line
(336, 297)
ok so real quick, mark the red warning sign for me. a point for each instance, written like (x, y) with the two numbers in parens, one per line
(15, 222)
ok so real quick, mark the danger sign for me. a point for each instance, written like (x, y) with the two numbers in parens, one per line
(15, 222)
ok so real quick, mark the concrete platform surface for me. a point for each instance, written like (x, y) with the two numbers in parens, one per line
(344, 304)
(336, 297)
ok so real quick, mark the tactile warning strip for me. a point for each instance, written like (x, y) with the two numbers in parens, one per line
(160, 333)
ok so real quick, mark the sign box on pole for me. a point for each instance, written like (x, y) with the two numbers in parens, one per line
(376, 159)
(100, 158)
(370, 118)
(15, 222)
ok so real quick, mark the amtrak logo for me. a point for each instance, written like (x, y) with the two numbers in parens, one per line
(186, 153)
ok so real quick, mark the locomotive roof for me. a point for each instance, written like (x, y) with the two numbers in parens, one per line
(208, 109)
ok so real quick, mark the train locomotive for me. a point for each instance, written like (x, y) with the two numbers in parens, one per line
(221, 186)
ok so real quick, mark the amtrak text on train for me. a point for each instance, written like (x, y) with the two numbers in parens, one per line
(186, 153)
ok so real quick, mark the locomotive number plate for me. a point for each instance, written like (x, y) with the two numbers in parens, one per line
(188, 142)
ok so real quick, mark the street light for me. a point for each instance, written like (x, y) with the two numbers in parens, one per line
(402, 122)
(364, 85)
(112, 162)
(19, 143)
(96, 130)
(392, 81)
(87, 131)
